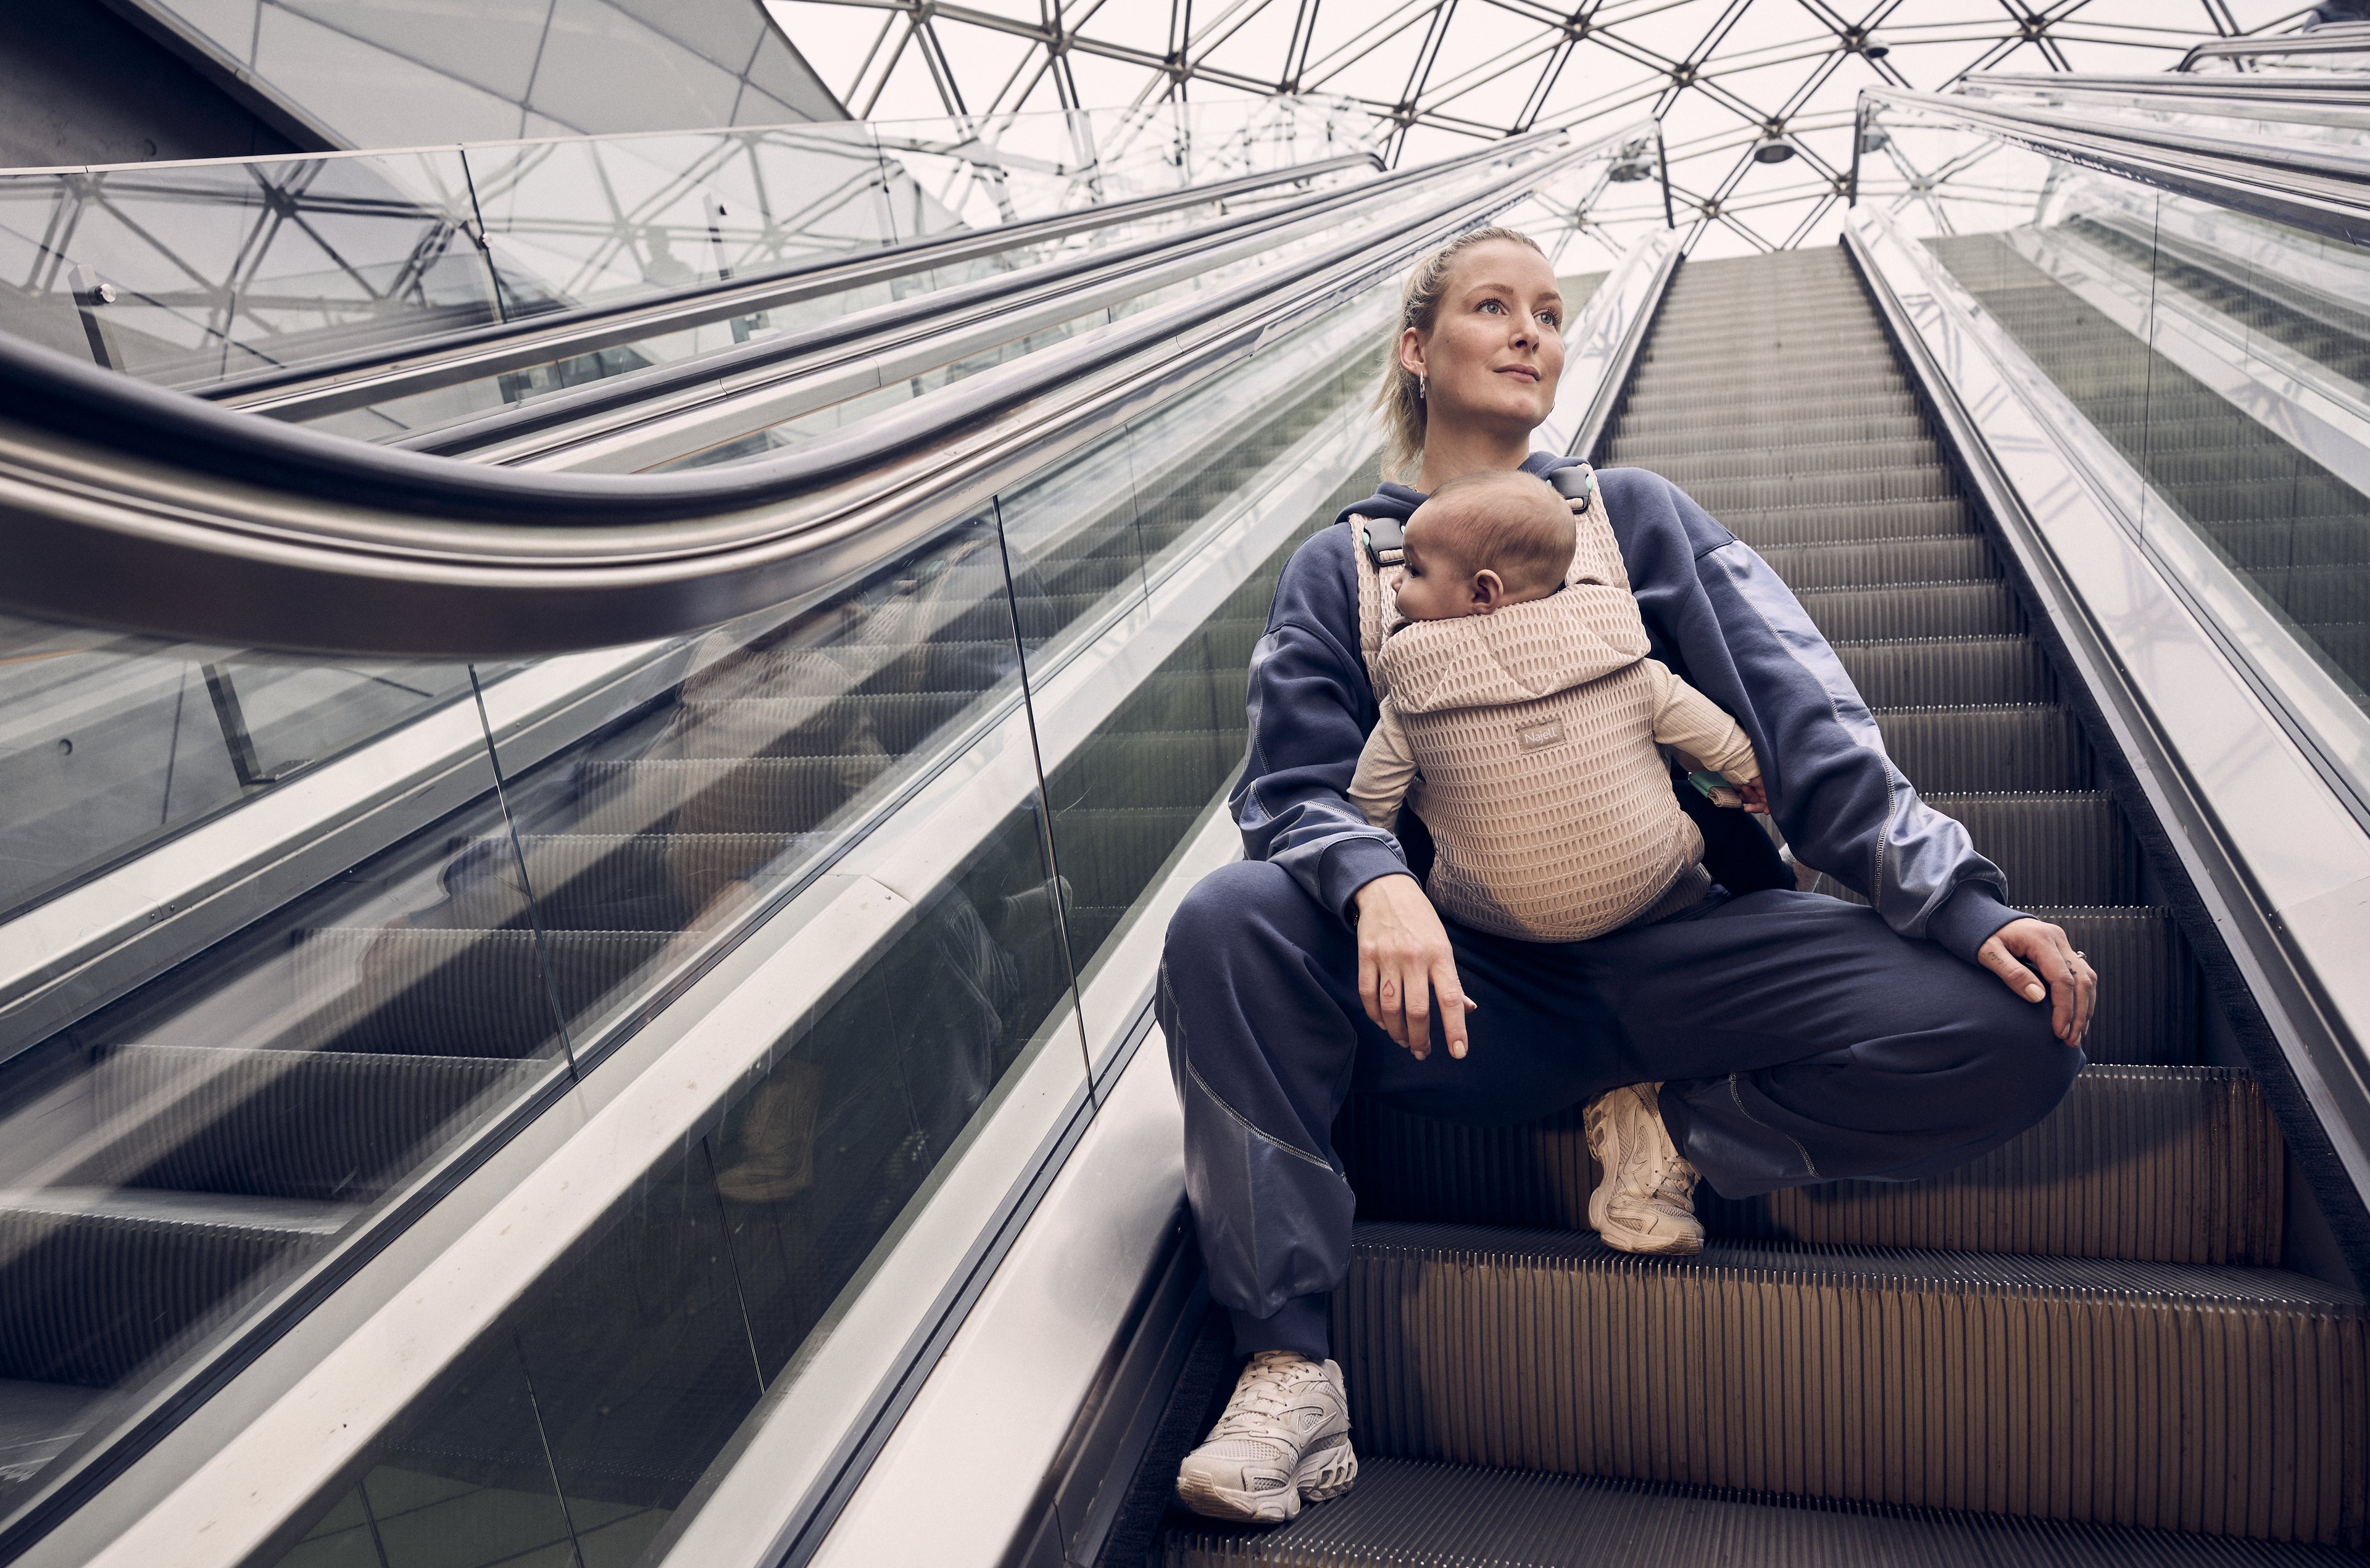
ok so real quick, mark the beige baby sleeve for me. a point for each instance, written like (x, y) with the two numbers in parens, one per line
(1385, 767)
(1685, 718)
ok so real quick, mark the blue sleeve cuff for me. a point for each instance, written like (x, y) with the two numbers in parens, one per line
(1967, 919)
(1350, 865)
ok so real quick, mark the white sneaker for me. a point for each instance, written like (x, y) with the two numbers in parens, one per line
(1644, 1201)
(1285, 1437)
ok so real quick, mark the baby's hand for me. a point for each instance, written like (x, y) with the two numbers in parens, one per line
(1755, 797)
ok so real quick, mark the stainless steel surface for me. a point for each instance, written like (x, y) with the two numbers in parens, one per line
(956, 1482)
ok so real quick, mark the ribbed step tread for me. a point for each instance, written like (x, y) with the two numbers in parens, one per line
(89, 1301)
(1964, 750)
(1922, 610)
(2160, 1395)
(1407, 1514)
(1925, 672)
(1766, 528)
(465, 993)
(2147, 1164)
(1949, 557)
(308, 1125)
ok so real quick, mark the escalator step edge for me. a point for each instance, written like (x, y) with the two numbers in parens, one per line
(2174, 1396)
(1440, 1516)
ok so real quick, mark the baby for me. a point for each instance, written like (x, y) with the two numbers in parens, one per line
(1518, 702)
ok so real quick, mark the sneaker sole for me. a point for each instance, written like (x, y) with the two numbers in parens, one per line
(1324, 1475)
(1213, 1501)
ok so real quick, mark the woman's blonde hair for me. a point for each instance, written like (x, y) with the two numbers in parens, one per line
(1400, 399)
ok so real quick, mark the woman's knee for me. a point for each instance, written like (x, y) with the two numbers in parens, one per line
(2027, 1069)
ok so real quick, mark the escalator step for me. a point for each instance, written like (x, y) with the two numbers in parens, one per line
(1109, 855)
(826, 724)
(1924, 609)
(941, 664)
(1928, 672)
(1722, 458)
(619, 881)
(1717, 495)
(2164, 1395)
(1959, 558)
(1964, 750)
(1772, 527)
(324, 1126)
(1648, 415)
(458, 993)
(89, 1298)
(2144, 1163)
(1407, 1514)
(1646, 448)
(2057, 849)
(761, 794)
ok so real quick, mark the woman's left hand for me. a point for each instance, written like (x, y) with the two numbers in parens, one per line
(2035, 960)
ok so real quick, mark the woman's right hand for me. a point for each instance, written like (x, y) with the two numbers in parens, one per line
(1404, 961)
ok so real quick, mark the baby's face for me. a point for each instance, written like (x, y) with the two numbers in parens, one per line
(1435, 585)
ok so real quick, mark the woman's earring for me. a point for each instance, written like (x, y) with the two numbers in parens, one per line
(1419, 386)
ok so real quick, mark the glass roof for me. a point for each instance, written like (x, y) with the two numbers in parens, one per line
(1721, 75)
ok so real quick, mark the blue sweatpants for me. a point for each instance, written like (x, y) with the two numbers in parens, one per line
(1797, 1039)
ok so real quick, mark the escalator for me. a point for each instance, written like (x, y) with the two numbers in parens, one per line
(2130, 1336)
(2033, 1343)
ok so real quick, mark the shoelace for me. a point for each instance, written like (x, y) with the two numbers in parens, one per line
(1266, 1393)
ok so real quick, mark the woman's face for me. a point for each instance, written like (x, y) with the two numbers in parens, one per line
(1495, 350)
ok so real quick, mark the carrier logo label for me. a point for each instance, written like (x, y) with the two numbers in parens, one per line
(1539, 736)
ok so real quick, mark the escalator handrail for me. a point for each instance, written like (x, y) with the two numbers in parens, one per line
(135, 506)
(316, 388)
(846, 333)
(2340, 39)
(2239, 91)
(2311, 186)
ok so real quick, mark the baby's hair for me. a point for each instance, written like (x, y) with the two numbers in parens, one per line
(1508, 522)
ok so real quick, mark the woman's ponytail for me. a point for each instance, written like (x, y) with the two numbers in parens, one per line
(1400, 399)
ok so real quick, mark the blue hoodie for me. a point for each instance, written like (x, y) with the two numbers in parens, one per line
(1716, 613)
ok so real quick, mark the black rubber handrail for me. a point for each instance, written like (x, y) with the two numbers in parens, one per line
(2311, 186)
(126, 505)
(316, 388)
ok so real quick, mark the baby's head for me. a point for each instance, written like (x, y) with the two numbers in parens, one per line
(1483, 541)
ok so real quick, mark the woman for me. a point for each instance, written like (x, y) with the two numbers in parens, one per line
(1763, 1037)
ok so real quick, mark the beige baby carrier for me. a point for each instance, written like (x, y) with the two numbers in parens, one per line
(1548, 802)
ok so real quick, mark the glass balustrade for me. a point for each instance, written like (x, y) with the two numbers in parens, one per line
(194, 275)
(2210, 367)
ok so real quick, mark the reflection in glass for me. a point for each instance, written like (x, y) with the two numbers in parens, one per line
(625, 1371)
(111, 743)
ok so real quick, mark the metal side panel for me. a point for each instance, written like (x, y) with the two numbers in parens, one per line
(2282, 862)
(1603, 343)
(957, 1480)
